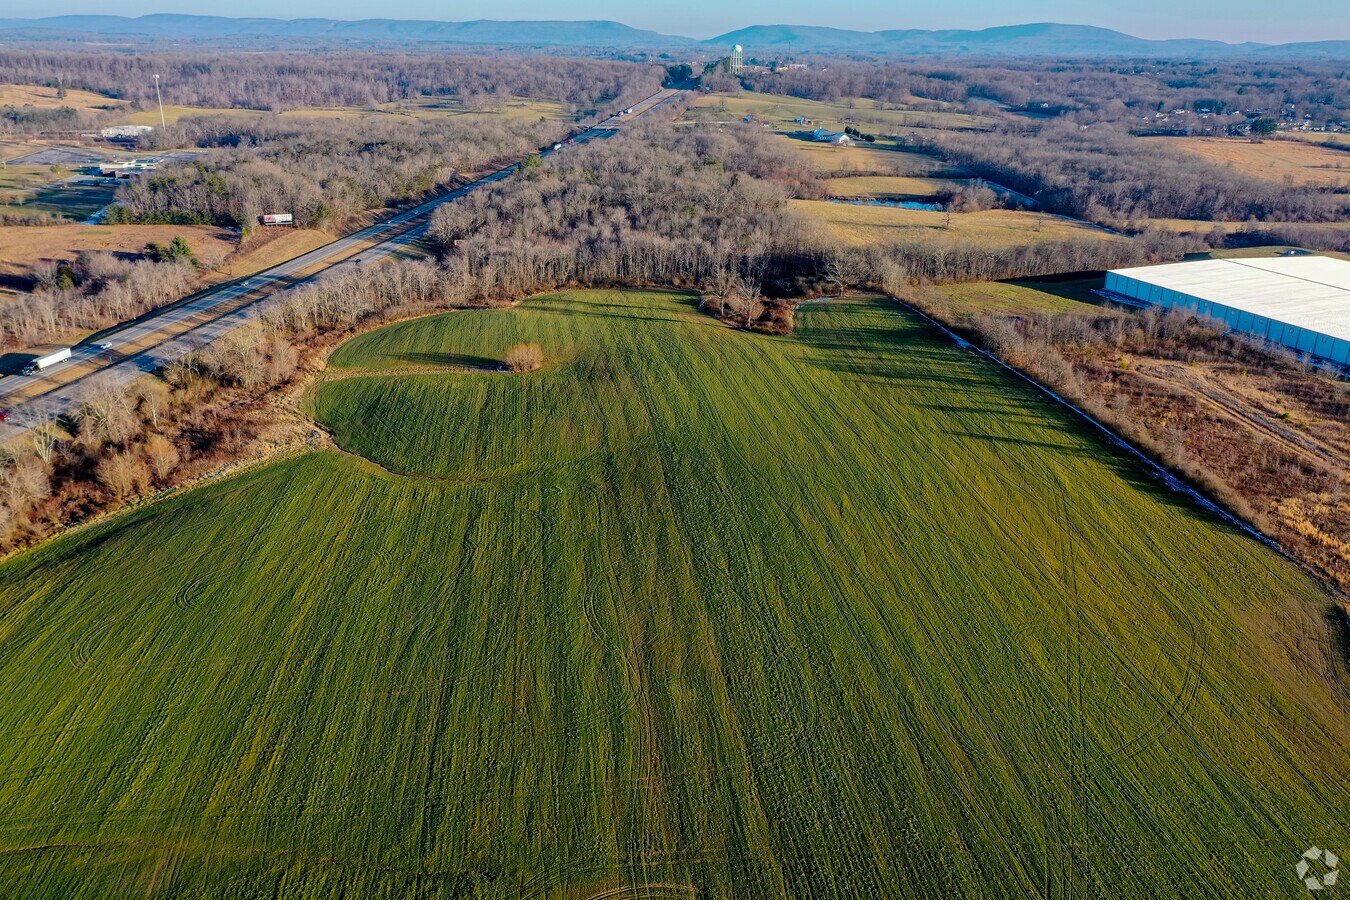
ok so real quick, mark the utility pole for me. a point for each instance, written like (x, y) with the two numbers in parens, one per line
(162, 125)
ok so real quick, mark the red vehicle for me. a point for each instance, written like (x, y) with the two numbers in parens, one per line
(570, 141)
(4, 415)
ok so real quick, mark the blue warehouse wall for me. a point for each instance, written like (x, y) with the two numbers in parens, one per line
(1302, 340)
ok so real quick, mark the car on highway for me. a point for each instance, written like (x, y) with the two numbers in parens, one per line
(558, 146)
(4, 415)
(570, 141)
(104, 347)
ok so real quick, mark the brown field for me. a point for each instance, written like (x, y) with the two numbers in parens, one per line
(861, 226)
(1296, 162)
(886, 186)
(1325, 138)
(778, 111)
(827, 159)
(45, 97)
(22, 246)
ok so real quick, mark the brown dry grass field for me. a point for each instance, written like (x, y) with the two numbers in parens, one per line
(827, 159)
(779, 110)
(23, 246)
(1329, 139)
(1298, 161)
(860, 226)
(45, 97)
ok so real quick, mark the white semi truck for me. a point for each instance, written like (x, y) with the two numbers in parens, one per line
(51, 359)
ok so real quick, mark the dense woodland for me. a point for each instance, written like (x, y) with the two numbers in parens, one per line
(667, 205)
(1104, 175)
(280, 81)
(322, 170)
(1087, 91)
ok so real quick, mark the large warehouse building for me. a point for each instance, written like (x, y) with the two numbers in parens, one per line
(1301, 302)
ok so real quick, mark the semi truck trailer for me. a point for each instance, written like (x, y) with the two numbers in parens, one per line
(43, 362)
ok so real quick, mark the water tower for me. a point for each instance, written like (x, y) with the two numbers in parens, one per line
(736, 61)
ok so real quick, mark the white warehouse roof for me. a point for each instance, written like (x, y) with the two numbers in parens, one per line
(1311, 292)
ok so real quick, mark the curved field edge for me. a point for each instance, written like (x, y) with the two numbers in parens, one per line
(848, 611)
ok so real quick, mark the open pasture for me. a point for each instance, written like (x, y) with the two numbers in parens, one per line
(47, 97)
(860, 226)
(22, 246)
(828, 160)
(778, 111)
(689, 612)
(1295, 162)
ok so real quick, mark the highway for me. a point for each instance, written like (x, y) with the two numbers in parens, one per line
(118, 356)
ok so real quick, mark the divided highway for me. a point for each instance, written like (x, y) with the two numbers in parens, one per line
(120, 355)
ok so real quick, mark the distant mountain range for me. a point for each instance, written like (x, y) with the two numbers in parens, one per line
(1012, 40)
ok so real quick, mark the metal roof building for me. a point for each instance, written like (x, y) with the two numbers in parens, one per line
(1301, 302)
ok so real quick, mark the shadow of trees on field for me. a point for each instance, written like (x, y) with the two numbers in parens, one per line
(452, 360)
(924, 356)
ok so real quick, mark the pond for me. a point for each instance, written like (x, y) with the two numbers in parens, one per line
(898, 204)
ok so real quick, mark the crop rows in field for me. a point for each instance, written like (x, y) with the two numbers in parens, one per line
(688, 612)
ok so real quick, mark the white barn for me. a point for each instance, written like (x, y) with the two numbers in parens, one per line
(1300, 302)
(825, 136)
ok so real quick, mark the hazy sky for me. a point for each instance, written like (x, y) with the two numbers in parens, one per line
(1230, 20)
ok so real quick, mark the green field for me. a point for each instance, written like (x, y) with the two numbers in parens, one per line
(34, 189)
(690, 612)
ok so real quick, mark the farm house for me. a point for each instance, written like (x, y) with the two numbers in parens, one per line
(1300, 302)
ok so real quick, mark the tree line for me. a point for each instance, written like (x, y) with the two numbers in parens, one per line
(281, 81)
(1103, 174)
(322, 170)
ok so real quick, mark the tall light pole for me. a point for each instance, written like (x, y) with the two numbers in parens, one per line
(162, 126)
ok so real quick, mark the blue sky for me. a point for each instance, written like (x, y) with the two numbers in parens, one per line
(1230, 20)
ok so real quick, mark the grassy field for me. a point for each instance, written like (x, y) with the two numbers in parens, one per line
(779, 112)
(46, 98)
(1024, 297)
(1295, 161)
(1330, 139)
(829, 160)
(688, 613)
(21, 246)
(864, 225)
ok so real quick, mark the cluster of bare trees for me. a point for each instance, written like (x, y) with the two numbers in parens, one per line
(655, 204)
(99, 290)
(279, 81)
(321, 170)
(1105, 175)
(1085, 91)
(671, 205)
